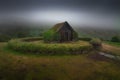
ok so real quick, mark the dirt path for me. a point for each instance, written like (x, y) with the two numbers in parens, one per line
(112, 49)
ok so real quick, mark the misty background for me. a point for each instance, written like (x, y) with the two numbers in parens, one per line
(90, 18)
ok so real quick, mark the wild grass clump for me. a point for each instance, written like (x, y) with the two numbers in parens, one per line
(115, 39)
(39, 47)
(96, 43)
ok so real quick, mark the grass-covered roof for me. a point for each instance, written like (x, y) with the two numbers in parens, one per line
(58, 26)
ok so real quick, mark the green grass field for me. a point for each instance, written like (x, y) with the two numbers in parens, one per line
(117, 44)
(17, 66)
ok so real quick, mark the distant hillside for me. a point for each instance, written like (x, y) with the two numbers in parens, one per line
(8, 31)
(105, 34)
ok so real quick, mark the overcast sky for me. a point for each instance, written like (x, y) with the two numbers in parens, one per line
(76, 12)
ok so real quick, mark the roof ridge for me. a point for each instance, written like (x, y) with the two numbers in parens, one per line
(58, 26)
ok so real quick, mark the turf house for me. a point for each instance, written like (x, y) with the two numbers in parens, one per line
(61, 32)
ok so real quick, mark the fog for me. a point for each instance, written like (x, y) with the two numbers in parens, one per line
(79, 13)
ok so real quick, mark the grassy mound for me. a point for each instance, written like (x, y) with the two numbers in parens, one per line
(39, 47)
